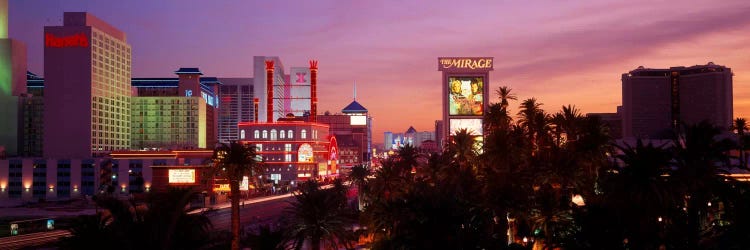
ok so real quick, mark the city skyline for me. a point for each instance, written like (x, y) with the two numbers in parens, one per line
(574, 55)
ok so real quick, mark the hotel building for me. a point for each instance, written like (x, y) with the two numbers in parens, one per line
(353, 131)
(12, 78)
(87, 84)
(175, 113)
(236, 97)
(655, 101)
(292, 148)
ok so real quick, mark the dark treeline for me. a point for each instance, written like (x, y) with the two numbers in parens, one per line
(538, 180)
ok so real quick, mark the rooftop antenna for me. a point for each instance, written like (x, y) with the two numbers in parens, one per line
(355, 90)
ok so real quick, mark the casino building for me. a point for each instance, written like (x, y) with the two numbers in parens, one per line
(87, 81)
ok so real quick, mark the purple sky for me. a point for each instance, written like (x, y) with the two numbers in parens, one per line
(559, 52)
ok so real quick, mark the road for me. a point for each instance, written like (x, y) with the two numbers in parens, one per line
(33, 239)
(258, 211)
(252, 214)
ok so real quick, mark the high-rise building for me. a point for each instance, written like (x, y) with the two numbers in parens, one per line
(655, 101)
(261, 87)
(12, 80)
(439, 137)
(174, 113)
(236, 97)
(31, 114)
(87, 84)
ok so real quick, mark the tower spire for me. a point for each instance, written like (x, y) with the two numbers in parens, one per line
(355, 90)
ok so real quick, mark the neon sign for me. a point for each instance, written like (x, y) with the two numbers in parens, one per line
(465, 63)
(77, 40)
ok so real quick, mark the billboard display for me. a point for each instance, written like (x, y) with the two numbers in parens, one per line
(358, 120)
(474, 126)
(305, 153)
(182, 176)
(465, 95)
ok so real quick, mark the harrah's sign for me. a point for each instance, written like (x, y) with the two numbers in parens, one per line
(77, 40)
(471, 63)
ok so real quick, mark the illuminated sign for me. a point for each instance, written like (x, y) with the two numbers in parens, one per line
(77, 40)
(188, 93)
(474, 126)
(210, 100)
(221, 188)
(182, 176)
(245, 183)
(466, 96)
(465, 63)
(305, 153)
(358, 120)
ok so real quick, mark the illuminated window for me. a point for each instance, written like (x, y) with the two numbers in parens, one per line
(287, 157)
(258, 147)
(289, 134)
(265, 134)
(281, 134)
(288, 147)
(303, 134)
(273, 134)
(242, 134)
(257, 134)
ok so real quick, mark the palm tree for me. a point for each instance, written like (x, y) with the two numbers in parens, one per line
(503, 92)
(408, 158)
(358, 177)
(639, 191)
(266, 239)
(700, 158)
(160, 223)
(740, 126)
(233, 161)
(318, 215)
(463, 146)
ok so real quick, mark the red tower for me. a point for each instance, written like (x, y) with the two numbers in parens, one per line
(269, 91)
(313, 90)
(256, 101)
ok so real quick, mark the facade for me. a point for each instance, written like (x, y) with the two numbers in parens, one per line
(613, 121)
(175, 113)
(261, 86)
(130, 172)
(465, 82)
(654, 101)
(236, 98)
(87, 81)
(353, 129)
(292, 149)
(12, 79)
(31, 117)
(439, 137)
(411, 137)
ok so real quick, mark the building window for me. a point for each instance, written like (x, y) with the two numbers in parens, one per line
(257, 134)
(289, 134)
(258, 147)
(288, 147)
(303, 134)
(287, 157)
(242, 134)
(265, 134)
(281, 134)
(273, 134)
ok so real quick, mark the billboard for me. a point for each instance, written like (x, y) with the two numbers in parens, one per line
(305, 153)
(474, 126)
(358, 120)
(465, 95)
(182, 176)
